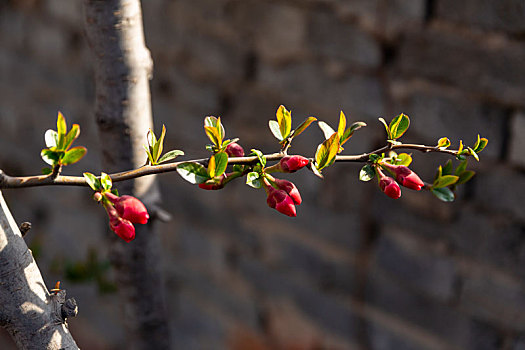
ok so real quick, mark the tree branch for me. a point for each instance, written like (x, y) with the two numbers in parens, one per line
(7, 181)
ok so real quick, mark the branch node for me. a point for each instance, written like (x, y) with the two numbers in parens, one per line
(24, 228)
(63, 308)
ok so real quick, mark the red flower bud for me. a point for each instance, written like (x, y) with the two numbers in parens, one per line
(390, 187)
(289, 164)
(123, 228)
(234, 150)
(281, 201)
(211, 187)
(214, 185)
(129, 208)
(290, 188)
(405, 176)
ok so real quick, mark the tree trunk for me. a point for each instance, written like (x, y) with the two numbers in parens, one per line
(34, 318)
(123, 114)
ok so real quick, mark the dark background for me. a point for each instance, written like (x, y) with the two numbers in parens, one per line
(355, 269)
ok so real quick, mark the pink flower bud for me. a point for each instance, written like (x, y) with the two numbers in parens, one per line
(123, 228)
(290, 188)
(390, 187)
(129, 208)
(290, 164)
(280, 201)
(234, 150)
(405, 176)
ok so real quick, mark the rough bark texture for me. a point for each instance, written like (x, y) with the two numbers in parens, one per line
(33, 317)
(123, 114)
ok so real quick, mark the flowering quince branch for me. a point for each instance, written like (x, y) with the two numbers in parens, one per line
(390, 168)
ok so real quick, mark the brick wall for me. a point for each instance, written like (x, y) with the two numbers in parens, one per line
(354, 270)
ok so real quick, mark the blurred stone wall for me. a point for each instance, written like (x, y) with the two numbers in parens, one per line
(355, 269)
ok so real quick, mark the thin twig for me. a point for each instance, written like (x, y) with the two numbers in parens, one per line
(7, 181)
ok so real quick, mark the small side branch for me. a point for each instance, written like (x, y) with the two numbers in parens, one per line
(7, 181)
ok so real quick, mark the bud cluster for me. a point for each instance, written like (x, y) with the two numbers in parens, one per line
(123, 212)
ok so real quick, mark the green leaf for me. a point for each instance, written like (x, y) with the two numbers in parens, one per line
(316, 171)
(51, 138)
(260, 155)
(193, 172)
(212, 134)
(92, 181)
(443, 143)
(170, 155)
(342, 125)
(367, 173)
(447, 169)
(465, 176)
(473, 153)
(253, 179)
(220, 162)
(399, 125)
(404, 159)
(150, 157)
(444, 194)
(214, 130)
(327, 151)
(152, 140)
(388, 135)
(302, 127)
(105, 181)
(276, 131)
(461, 167)
(51, 157)
(374, 158)
(326, 129)
(61, 130)
(73, 155)
(284, 118)
(350, 131)
(71, 136)
(159, 145)
(481, 143)
(445, 180)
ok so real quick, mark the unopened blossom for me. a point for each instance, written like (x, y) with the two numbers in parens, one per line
(390, 187)
(129, 208)
(290, 188)
(281, 201)
(234, 150)
(405, 176)
(290, 164)
(122, 227)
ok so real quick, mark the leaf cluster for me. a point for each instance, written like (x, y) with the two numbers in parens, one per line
(58, 143)
(155, 148)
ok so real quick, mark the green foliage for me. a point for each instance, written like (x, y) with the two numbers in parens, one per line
(217, 164)
(253, 179)
(193, 172)
(397, 127)
(326, 152)
(99, 184)
(156, 146)
(281, 128)
(58, 145)
(343, 133)
(367, 173)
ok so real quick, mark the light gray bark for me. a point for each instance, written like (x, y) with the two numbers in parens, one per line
(123, 114)
(34, 318)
